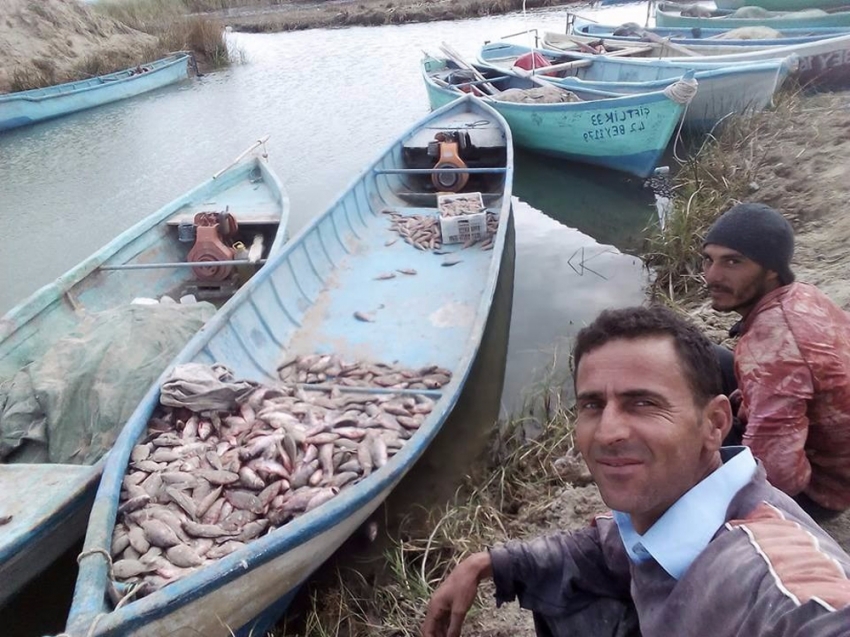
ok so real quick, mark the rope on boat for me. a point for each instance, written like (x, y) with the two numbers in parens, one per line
(97, 551)
(130, 592)
(682, 91)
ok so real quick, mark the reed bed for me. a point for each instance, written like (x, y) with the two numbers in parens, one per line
(177, 27)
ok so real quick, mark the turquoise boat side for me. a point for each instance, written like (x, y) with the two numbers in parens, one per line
(703, 37)
(830, 20)
(723, 90)
(625, 133)
(301, 302)
(781, 5)
(56, 516)
(36, 105)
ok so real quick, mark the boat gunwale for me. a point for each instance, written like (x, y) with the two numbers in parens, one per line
(606, 99)
(79, 87)
(708, 61)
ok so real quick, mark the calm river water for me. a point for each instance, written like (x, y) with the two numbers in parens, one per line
(330, 99)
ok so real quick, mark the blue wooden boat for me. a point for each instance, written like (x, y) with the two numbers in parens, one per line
(583, 26)
(27, 107)
(303, 302)
(723, 90)
(775, 19)
(623, 132)
(823, 59)
(781, 5)
(49, 503)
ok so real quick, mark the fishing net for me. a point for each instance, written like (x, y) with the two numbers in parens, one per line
(69, 406)
(537, 95)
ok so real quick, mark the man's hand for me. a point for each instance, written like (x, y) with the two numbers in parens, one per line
(450, 603)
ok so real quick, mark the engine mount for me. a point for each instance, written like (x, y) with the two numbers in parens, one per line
(212, 229)
(449, 147)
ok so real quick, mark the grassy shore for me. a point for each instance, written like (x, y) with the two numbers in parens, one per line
(175, 26)
(293, 15)
(722, 170)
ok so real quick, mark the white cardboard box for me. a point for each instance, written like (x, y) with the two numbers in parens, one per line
(462, 228)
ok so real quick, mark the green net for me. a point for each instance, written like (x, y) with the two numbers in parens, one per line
(69, 406)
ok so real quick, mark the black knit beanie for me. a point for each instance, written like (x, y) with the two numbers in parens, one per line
(758, 232)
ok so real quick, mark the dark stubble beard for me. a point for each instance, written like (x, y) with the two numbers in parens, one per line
(757, 290)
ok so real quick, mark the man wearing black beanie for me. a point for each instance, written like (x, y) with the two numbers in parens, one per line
(792, 361)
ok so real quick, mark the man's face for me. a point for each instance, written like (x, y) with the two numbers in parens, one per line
(644, 439)
(735, 282)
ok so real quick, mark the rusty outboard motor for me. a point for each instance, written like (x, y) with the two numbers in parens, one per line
(449, 148)
(212, 229)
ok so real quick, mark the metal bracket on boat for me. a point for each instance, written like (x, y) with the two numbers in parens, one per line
(176, 264)
(72, 301)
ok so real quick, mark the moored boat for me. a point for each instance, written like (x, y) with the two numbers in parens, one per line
(61, 402)
(346, 286)
(28, 107)
(775, 19)
(622, 132)
(822, 61)
(723, 90)
(781, 5)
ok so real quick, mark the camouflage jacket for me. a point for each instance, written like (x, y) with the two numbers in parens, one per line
(792, 364)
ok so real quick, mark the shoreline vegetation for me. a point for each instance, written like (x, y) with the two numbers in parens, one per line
(134, 32)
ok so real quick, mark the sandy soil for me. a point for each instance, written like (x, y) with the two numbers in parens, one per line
(56, 35)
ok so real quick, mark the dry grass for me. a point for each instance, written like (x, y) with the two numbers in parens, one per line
(176, 30)
(719, 173)
(378, 12)
(520, 473)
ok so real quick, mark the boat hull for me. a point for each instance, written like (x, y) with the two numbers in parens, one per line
(822, 61)
(781, 5)
(56, 516)
(304, 301)
(723, 90)
(721, 94)
(28, 107)
(628, 134)
(675, 19)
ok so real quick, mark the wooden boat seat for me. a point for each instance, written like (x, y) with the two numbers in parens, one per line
(243, 219)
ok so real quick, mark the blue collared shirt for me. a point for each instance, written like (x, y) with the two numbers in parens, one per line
(686, 528)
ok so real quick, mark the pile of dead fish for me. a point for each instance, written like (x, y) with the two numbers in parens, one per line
(420, 231)
(423, 231)
(199, 486)
(459, 205)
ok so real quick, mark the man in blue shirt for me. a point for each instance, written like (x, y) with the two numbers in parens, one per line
(698, 543)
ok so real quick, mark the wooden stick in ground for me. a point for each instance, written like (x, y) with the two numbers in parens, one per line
(455, 57)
